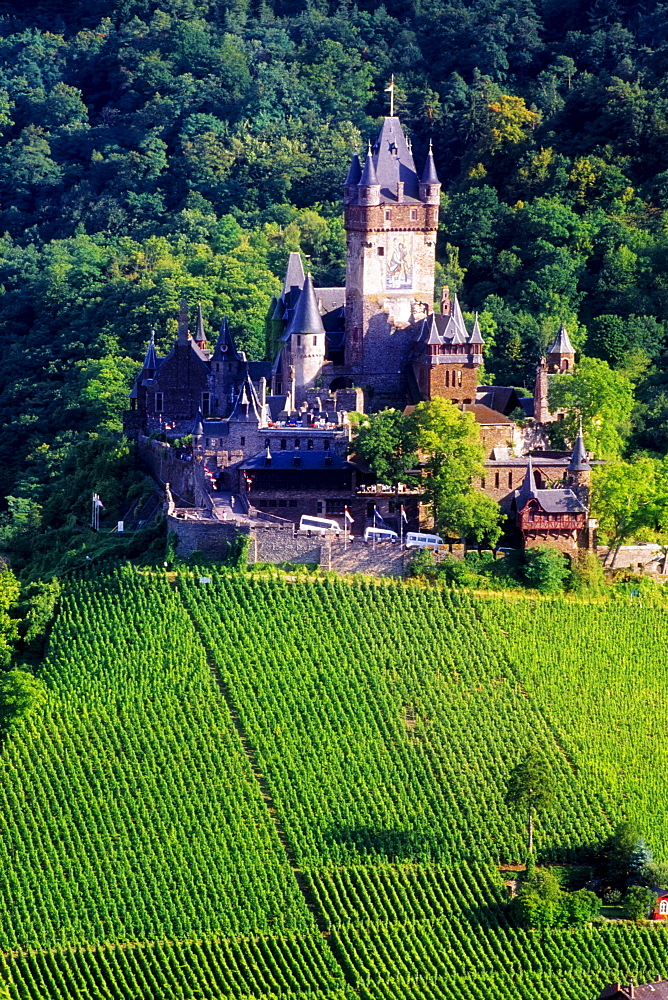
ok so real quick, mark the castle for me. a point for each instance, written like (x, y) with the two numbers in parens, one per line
(277, 431)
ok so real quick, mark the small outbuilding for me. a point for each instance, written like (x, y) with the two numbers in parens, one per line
(658, 990)
(660, 911)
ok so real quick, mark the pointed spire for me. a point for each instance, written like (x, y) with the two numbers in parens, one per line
(200, 335)
(247, 406)
(151, 359)
(433, 336)
(528, 487)
(429, 175)
(579, 459)
(368, 177)
(354, 171)
(460, 333)
(306, 317)
(198, 426)
(561, 343)
(182, 335)
(476, 335)
(226, 349)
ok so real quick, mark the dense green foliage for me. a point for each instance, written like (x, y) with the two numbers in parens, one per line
(151, 150)
(382, 746)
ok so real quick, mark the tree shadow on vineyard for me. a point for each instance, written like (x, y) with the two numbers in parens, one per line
(393, 845)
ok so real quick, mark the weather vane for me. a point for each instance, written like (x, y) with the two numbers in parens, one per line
(390, 90)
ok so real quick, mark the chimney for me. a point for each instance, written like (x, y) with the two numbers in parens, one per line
(263, 391)
(400, 192)
(445, 301)
(632, 989)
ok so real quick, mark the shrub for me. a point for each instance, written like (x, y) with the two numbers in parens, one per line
(638, 902)
(545, 569)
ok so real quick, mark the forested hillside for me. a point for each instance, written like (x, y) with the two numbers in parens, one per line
(153, 149)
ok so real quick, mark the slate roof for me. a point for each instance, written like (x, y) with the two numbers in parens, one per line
(151, 360)
(429, 175)
(259, 369)
(276, 405)
(354, 171)
(294, 274)
(200, 335)
(579, 459)
(308, 460)
(369, 176)
(393, 161)
(198, 426)
(561, 343)
(497, 397)
(247, 405)
(446, 330)
(551, 501)
(306, 317)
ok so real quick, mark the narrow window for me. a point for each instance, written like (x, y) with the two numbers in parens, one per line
(159, 402)
(319, 506)
(243, 441)
(459, 380)
(299, 341)
(284, 444)
(267, 444)
(381, 251)
(309, 445)
(325, 444)
(315, 341)
(496, 480)
(388, 215)
(482, 483)
(297, 444)
(206, 404)
(413, 214)
(447, 380)
(510, 480)
(279, 388)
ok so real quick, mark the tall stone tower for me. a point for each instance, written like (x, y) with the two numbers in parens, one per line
(391, 220)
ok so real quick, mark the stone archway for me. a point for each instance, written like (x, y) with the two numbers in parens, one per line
(340, 382)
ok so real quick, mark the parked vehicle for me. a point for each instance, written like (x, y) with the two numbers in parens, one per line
(321, 525)
(380, 535)
(421, 540)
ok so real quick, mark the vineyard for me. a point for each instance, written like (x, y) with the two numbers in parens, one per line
(263, 788)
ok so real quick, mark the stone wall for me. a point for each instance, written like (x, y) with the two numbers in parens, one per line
(161, 461)
(214, 539)
(646, 558)
(276, 544)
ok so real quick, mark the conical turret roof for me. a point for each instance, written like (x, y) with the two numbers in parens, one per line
(527, 489)
(151, 359)
(198, 426)
(579, 459)
(432, 334)
(354, 171)
(200, 335)
(429, 175)
(369, 176)
(476, 335)
(561, 343)
(306, 317)
(460, 332)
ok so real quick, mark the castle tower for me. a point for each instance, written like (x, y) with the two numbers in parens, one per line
(225, 369)
(560, 353)
(448, 358)
(306, 335)
(391, 220)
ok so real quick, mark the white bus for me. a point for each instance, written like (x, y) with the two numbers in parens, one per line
(380, 535)
(321, 525)
(419, 540)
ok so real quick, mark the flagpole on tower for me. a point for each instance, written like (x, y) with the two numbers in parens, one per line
(390, 90)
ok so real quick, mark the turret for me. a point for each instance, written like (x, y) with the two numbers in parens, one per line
(307, 340)
(560, 353)
(352, 180)
(579, 467)
(430, 186)
(151, 359)
(368, 189)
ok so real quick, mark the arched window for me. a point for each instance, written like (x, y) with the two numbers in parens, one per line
(663, 906)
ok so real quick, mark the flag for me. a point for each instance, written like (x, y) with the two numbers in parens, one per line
(349, 518)
(378, 521)
(403, 514)
(390, 89)
(98, 502)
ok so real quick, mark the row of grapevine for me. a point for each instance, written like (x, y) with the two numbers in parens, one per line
(129, 813)
(385, 721)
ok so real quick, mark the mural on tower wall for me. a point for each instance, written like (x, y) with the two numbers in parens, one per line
(399, 257)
